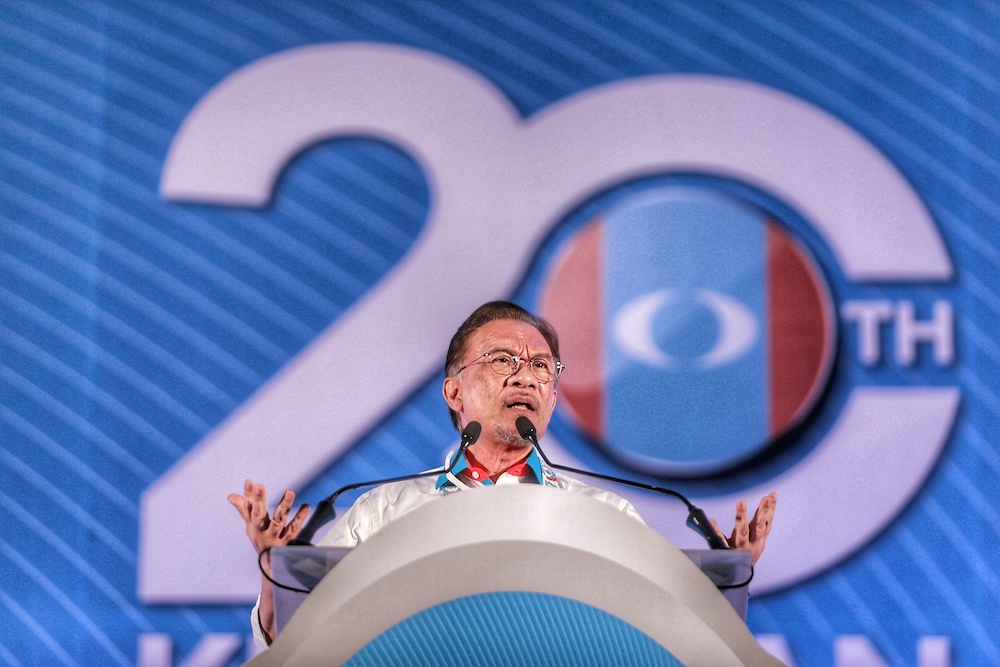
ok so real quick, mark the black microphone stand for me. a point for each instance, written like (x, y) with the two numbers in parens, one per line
(697, 519)
(325, 511)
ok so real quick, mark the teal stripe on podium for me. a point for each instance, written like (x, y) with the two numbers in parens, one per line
(516, 629)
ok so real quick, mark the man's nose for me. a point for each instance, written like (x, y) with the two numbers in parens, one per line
(522, 374)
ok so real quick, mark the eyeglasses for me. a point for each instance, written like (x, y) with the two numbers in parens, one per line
(545, 368)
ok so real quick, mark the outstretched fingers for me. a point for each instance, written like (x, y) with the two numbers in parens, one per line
(252, 506)
(763, 518)
(282, 510)
(751, 534)
(741, 528)
(259, 518)
(280, 524)
(242, 502)
(263, 529)
(295, 526)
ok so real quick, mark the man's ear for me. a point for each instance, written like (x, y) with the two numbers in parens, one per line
(451, 390)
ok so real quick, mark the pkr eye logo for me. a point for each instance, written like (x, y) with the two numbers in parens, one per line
(484, 162)
(633, 328)
(710, 332)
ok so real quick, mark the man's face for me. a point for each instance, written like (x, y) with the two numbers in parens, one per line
(481, 394)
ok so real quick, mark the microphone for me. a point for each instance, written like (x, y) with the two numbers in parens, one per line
(325, 511)
(697, 519)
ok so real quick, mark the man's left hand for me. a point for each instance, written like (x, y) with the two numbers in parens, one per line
(751, 535)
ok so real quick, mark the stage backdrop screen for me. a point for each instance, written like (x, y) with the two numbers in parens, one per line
(236, 237)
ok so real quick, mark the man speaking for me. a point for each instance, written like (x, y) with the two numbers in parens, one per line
(502, 364)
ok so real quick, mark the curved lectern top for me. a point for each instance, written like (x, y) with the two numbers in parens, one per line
(583, 571)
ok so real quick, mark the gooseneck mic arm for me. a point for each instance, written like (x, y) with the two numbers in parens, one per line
(697, 519)
(325, 511)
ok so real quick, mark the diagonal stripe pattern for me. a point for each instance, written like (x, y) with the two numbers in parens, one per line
(130, 327)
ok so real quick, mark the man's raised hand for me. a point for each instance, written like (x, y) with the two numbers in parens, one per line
(751, 535)
(264, 530)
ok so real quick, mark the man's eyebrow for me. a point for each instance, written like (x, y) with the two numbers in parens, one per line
(515, 354)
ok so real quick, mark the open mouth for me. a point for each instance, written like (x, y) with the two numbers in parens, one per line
(521, 403)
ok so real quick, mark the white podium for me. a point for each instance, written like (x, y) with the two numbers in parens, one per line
(515, 575)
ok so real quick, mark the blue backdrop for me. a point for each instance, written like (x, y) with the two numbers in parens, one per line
(149, 308)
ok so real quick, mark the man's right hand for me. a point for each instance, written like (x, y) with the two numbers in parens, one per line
(267, 531)
(263, 530)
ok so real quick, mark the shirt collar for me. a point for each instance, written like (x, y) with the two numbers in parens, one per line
(531, 465)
